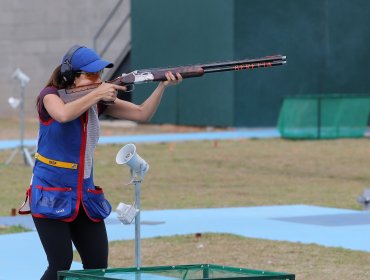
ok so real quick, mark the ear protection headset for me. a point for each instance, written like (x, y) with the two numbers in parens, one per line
(66, 70)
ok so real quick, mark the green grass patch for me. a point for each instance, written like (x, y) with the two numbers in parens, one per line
(12, 229)
(306, 261)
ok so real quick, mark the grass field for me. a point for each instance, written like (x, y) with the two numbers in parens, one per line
(231, 173)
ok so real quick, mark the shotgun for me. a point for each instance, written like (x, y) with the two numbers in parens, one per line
(158, 74)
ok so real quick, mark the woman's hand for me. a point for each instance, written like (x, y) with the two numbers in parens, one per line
(171, 79)
(145, 111)
(107, 91)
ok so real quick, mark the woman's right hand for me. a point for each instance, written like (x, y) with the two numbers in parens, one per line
(107, 91)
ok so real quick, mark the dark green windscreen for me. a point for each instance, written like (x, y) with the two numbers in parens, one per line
(326, 44)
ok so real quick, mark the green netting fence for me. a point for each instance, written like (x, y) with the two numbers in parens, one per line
(194, 272)
(324, 116)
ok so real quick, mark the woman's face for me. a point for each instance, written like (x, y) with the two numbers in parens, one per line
(87, 78)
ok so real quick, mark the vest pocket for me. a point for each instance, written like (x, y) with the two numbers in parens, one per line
(53, 202)
(97, 206)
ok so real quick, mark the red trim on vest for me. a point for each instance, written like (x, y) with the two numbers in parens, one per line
(82, 160)
(39, 216)
(59, 189)
(83, 119)
(46, 122)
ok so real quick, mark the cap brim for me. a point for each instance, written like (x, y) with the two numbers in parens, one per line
(96, 66)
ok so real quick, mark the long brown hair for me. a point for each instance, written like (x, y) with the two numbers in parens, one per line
(56, 80)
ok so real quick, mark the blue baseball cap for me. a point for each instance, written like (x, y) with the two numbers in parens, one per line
(88, 60)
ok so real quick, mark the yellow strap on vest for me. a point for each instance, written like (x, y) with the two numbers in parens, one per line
(56, 163)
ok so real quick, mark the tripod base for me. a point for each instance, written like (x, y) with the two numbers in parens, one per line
(26, 156)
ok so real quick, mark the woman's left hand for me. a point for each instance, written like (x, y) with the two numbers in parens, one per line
(172, 79)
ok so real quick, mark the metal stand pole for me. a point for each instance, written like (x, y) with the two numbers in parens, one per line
(126, 213)
(26, 154)
(137, 225)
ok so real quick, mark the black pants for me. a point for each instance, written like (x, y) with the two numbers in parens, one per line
(89, 238)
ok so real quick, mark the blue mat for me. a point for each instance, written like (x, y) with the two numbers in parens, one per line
(22, 256)
(165, 137)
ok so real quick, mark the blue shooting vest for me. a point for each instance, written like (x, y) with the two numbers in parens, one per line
(58, 187)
